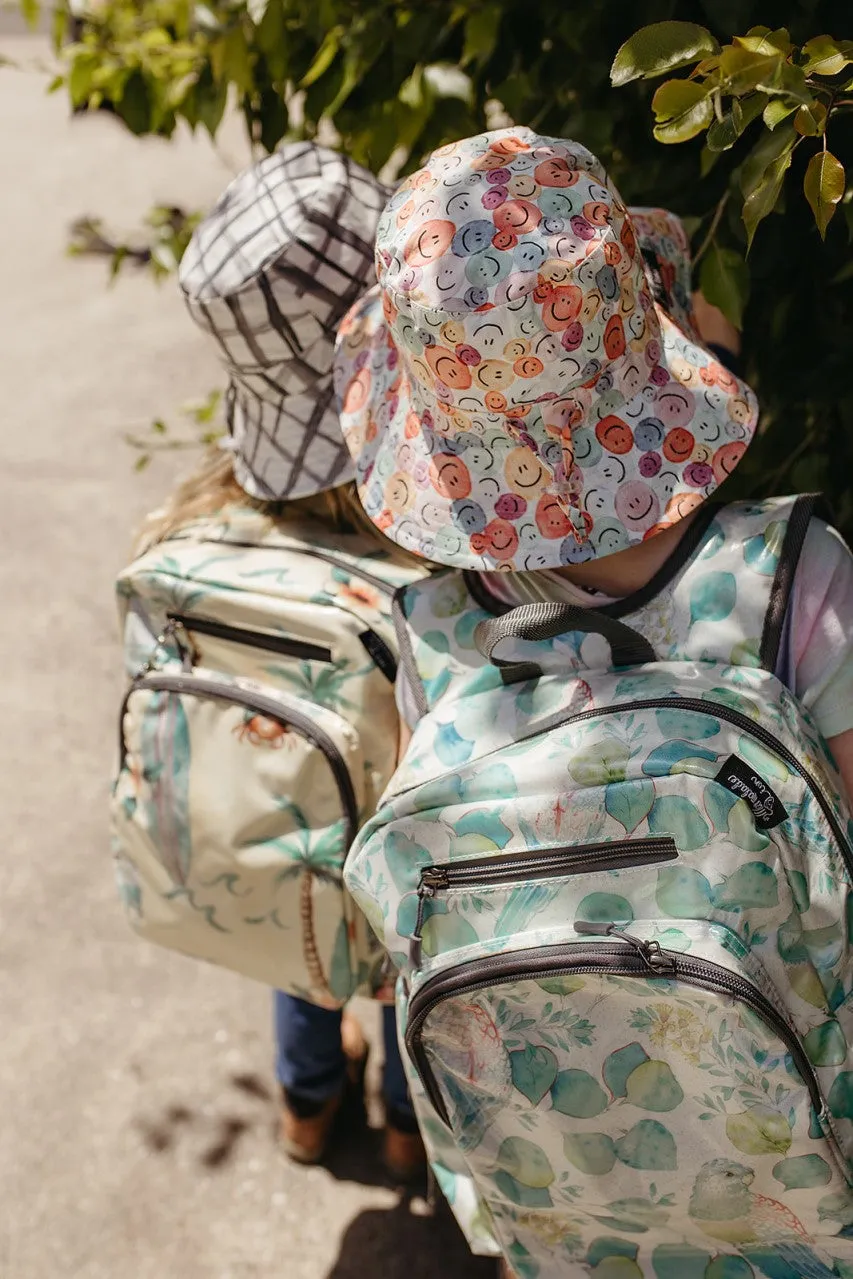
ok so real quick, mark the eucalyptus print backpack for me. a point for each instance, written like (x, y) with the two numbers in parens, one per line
(615, 870)
(257, 733)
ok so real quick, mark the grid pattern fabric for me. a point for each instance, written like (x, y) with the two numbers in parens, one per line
(269, 274)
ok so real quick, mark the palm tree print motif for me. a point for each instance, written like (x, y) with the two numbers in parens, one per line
(324, 685)
(315, 855)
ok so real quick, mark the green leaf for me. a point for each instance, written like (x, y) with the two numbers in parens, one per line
(787, 81)
(778, 110)
(810, 120)
(682, 110)
(31, 9)
(825, 56)
(324, 58)
(743, 70)
(80, 80)
(481, 35)
(724, 133)
(767, 150)
(117, 260)
(762, 199)
(659, 48)
(724, 281)
(135, 105)
(762, 40)
(237, 61)
(210, 103)
(751, 106)
(142, 461)
(824, 187)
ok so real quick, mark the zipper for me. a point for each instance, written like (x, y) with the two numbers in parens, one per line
(628, 957)
(277, 708)
(252, 639)
(542, 863)
(374, 645)
(716, 709)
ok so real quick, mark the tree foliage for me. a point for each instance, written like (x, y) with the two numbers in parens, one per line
(763, 115)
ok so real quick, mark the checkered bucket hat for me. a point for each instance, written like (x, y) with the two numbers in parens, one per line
(525, 387)
(269, 274)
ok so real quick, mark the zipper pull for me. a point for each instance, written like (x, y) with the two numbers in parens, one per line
(658, 961)
(184, 643)
(159, 644)
(433, 878)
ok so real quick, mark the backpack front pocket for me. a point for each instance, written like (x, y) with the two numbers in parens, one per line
(618, 1087)
(232, 815)
(527, 867)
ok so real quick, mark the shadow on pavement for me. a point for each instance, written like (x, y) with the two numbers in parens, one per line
(408, 1242)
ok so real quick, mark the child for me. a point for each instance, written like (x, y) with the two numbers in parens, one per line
(503, 447)
(268, 274)
(520, 406)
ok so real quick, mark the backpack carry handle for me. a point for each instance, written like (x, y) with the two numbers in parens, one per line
(547, 621)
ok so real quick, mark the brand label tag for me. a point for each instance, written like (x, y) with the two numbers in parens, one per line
(742, 780)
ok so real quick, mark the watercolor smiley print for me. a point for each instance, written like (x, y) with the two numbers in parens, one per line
(514, 394)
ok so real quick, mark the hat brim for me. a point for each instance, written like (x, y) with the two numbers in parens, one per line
(288, 448)
(644, 466)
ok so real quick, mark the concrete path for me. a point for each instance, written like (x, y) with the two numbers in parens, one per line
(137, 1108)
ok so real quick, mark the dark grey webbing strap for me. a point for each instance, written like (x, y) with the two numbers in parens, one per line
(408, 663)
(547, 621)
(804, 508)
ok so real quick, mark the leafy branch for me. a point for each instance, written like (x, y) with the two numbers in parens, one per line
(164, 240)
(793, 89)
(204, 417)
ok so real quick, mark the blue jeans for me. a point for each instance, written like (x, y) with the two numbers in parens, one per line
(310, 1061)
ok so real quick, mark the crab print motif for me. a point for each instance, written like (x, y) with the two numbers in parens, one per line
(261, 730)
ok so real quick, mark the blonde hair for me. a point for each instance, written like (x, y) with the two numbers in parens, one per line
(212, 488)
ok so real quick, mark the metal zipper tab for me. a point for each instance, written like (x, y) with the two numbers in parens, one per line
(432, 879)
(657, 961)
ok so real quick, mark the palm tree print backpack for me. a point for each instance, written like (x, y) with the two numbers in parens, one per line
(615, 870)
(257, 733)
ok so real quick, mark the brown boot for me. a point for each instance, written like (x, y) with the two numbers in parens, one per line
(403, 1151)
(306, 1126)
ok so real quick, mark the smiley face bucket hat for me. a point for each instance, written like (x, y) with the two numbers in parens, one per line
(512, 394)
(268, 275)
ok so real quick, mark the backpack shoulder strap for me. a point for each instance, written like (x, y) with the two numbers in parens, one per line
(435, 619)
(804, 509)
(408, 665)
(726, 585)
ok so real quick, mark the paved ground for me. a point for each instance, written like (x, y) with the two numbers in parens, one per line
(136, 1096)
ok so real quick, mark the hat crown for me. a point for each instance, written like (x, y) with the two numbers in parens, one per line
(301, 200)
(517, 391)
(491, 217)
(511, 276)
(268, 275)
